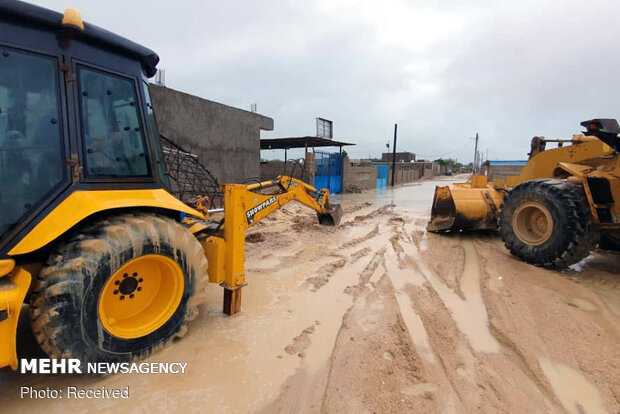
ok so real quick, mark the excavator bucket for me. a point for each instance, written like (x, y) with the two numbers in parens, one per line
(332, 215)
(463, 206)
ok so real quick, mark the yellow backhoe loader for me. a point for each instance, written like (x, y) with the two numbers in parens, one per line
(111, 264)
(565, 202)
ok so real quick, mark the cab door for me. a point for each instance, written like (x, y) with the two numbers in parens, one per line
(33, 136)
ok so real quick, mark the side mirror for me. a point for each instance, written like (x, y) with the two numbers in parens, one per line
(606, 130)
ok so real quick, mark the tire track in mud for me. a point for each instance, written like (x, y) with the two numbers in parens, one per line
(383, 352)
(513, 378)
(363, 259)
(470, 313)
(387, 209)
(355, 241)
(306, 251)
(301, 342)
(463, 364)
(546, 360)
(307, 386)
(359, 254)
(325, 273)
(532, 372)
(365, 275)
(451, 374)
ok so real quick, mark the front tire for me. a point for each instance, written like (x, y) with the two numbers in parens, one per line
(547, 223)
(118, 290)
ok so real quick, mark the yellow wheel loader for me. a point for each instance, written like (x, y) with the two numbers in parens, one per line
(565, 202)
(111, 264)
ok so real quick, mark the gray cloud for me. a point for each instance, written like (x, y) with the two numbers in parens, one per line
(443, 70)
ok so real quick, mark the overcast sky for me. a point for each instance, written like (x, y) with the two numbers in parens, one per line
(443, 70)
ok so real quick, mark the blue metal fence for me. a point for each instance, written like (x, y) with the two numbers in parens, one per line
(382, 175)
(328, 172)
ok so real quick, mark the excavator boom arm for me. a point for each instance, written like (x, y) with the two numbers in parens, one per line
(288, 189)
(243, 208)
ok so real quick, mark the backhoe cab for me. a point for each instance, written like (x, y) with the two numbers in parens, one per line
(90, 235)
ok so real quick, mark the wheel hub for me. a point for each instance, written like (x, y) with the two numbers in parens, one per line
(141, 296)
(128, 285)
(532, 223)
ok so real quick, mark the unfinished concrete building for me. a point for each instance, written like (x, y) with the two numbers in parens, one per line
(225, 139)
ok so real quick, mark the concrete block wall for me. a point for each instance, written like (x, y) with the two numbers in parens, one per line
(405, 173)
(358, 177)
(429, 169)
(438, 169)
(226, 139)
(502, 171)
(271, 169)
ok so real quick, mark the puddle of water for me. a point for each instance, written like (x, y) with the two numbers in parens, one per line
(413, 198)
(470, 315)
(400, 279)
(423, 242)
(572, 388)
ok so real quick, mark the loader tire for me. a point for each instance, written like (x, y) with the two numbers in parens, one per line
(547, 223)
(118, 290)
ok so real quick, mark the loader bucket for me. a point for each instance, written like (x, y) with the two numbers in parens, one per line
(332, 215)
(463, 207)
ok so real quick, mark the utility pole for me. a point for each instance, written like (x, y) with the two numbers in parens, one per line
(394, 154)
(473, 170)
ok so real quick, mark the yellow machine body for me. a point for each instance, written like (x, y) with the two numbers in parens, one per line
(15, 280)
(13, 289)
(102, 178)
(82, 204)
(244, 206)
(463, 206)
(475, 205)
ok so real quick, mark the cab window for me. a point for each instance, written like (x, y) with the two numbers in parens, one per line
(113, 139)
(31, 150)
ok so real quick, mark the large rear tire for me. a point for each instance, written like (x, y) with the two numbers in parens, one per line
(118, 290)
(547, 223)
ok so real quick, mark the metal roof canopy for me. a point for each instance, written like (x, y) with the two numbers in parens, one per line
(299, 142)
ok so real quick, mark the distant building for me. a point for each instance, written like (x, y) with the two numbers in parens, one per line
(400, 157)
(429, 168)
(502, 168)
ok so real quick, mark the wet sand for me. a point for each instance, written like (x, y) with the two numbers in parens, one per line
(380, 316)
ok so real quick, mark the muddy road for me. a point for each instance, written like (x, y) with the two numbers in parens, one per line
(380, 316)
